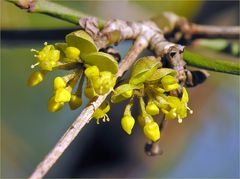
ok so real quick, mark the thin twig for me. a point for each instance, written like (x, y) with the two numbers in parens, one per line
(139, 45)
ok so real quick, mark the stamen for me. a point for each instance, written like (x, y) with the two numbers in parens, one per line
(104, 119)
(175, 114)
(190, 110)
(34, 50)
(97, 121)
(179, 120)
(107, 118)
(34, 65)
(45, 43)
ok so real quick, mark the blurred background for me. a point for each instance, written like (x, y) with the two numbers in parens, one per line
(206, 145)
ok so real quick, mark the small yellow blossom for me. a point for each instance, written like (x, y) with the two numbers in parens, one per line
(101, 112)
(104, 83)
(47, 57)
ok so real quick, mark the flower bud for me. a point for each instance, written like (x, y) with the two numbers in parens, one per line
(91, 72)
(54, 106)
(151, 130)
(75, 102)
(58, 83)
(89, 92)
(72, 53)
(127, 123)
(169, 83)
(127, 94)
(152, 109)
(35, 78)
(62, 95)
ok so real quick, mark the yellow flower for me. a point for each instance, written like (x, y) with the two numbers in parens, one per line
(47, 57)
(178, 108)
(104, 82)
(151, 130)
(101, 112)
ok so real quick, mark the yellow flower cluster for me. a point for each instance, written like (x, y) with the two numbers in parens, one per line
(149, 82)
(156, 85)
(79, 54)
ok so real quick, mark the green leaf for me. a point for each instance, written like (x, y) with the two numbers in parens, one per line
(159, 73)
(104, 61)
(143, 69)
(82, 41)
(117, 95)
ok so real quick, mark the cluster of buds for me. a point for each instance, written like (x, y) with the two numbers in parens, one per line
(154, 84)
(80, 56)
